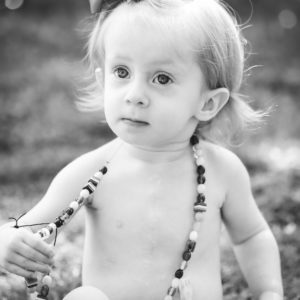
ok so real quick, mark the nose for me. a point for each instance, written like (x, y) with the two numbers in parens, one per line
(137, 95)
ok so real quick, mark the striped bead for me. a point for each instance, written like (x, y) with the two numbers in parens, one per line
(171, 291)
(190, 245)
(201, 207)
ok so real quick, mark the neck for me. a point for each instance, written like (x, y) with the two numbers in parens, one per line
(165, 154)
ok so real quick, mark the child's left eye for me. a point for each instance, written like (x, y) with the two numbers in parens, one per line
(162, 79)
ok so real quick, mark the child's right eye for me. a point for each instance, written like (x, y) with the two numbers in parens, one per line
(121, 72)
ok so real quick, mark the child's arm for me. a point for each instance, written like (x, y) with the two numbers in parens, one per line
(254, 244)
(22, 252)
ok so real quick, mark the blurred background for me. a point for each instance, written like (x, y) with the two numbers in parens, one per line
(41, 48)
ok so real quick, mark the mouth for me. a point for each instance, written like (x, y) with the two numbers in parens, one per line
(135, 122)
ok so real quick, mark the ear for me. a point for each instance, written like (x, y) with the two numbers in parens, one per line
(211, 103)
(99, 76)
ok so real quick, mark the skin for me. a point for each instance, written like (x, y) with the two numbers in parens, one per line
(138, 223)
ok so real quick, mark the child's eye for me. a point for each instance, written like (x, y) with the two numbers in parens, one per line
(121, 72)
(162, 79)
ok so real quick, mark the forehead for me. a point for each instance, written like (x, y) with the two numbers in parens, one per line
(140, 31)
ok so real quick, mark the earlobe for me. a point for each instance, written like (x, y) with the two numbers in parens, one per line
(212, 103)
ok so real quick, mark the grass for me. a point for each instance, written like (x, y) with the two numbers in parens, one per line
(41, 131)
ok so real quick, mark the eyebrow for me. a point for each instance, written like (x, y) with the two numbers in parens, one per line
(155, 62)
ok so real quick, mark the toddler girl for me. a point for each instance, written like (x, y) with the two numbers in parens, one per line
(168, 73)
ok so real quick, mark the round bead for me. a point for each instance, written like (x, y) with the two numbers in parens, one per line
(98, 175)
(179, 273)
(186, 255)
(47, 280)
(200, 198)
(103, 170)
(200, 188)
(84, 194)
(168, 297)
(194, 140)
(201, 179)
(199, 160)
(200, 170)
(171, 291)
(44, 291)
(70, 211)
(193, 235)
(74, 205)
(175, 283)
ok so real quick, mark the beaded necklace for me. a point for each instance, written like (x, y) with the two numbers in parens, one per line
(84, 198)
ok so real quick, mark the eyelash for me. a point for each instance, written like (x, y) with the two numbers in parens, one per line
(122, 69)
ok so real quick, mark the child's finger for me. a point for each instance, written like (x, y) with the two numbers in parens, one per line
(31, 254)
(13, 268)
(38, 244)
(27, 264)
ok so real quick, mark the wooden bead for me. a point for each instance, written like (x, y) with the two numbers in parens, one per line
(186, 255)
(179, 273)
(194, 140)
(200, 170)
(103, 170)
(201, 179)
(44, 291)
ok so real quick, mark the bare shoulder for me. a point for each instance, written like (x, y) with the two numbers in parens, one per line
(69, 181)
(226, 163)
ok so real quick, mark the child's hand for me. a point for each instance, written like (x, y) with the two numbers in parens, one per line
(23, 253)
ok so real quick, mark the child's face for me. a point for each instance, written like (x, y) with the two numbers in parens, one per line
(152, 87)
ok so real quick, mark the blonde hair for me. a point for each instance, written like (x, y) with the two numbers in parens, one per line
(217, 44)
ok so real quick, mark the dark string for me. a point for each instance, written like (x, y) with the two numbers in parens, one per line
(19, 226)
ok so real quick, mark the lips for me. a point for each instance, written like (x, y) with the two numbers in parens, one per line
(136, 122)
